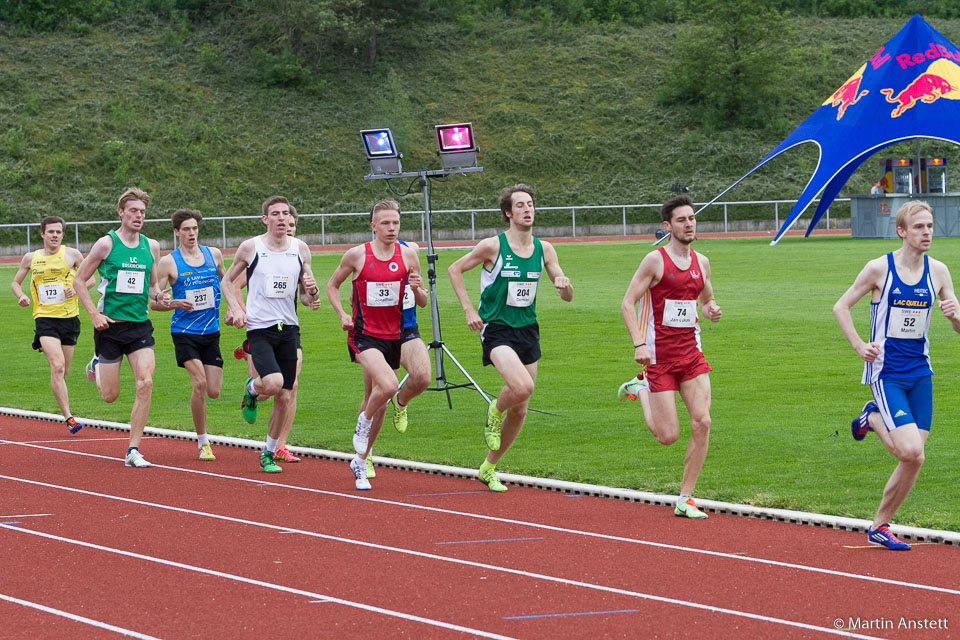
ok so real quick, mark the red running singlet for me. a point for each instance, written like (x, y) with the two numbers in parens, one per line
(673, 331)
(377, 298)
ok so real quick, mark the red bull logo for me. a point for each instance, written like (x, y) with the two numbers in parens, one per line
(848, 94)
(940, 80)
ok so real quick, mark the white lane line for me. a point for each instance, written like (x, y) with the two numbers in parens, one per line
(535, 525)
(266, 585)
(76, 618)
(429, 556)
(28, 515)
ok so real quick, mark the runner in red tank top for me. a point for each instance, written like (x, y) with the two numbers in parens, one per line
(380, 270)
(668, 285)
(377, 299)
(676, 330)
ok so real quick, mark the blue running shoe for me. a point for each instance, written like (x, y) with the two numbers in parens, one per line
(882, 536)
(861, 424)
(73, 425)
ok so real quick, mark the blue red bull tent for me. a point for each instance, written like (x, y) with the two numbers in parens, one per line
(909, 89)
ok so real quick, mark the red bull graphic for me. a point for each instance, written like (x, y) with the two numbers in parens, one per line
(940, 80)
(848, 94)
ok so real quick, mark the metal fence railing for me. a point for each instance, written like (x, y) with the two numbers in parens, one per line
(465, 224)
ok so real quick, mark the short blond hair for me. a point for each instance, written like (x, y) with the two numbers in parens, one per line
(387, 204)
(132, 194)
(909, 208)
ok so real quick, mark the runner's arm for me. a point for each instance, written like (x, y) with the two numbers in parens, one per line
(157, 294)
(310, 295)
(552, 264)
(74, 258)
(485, 252)
(22, 299)
(420, 294)
(708, 306)
(236, 315)
(867, 280)
(645, 276)
(948, 299)
(99, 252)
(351, 262)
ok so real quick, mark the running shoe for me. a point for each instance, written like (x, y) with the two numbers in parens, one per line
(206, 453)
(491, 429)
(135, 459)
(371, 472)
(73, 425)
(359, 469)
(268, 464)
(361, 436)
(883, 537)
(92, 368)
(248, 407)
(399, 415)
(861, 424)
(489, 478)
(688, 509)
(283, 454)
(630, 390)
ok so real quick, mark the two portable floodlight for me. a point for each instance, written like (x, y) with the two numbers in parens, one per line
(455, 146)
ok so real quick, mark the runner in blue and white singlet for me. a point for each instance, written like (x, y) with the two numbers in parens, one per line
(900, 323)
(903, 287)
(201, 286)
(193, 272)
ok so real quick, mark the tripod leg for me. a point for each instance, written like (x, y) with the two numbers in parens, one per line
(464, 372)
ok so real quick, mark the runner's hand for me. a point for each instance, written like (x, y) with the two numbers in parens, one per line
(642, 355)
(23, 300)
(869, 351)
(949, 308)
(473, 320)
(712, 311)
(238, 319)
(100, 321)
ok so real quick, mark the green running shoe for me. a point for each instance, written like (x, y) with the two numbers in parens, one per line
(688, 509)
(489, 478)
(371, 472)
(491, 430)
(248, 407)
(399, 416)
(630, 390)
(268, 464)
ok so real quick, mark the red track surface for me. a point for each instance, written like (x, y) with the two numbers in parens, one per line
(222, 550)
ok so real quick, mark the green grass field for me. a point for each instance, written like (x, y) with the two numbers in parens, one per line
(785, 384)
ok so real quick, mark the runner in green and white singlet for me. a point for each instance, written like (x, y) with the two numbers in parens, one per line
(508, 292)
(127, 261)
(512, 265)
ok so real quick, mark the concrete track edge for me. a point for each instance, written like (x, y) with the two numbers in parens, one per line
(630, 495)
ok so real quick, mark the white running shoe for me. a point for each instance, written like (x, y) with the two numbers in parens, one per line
(91, 369)
(359, 469)
(361, 436)
(136, 459)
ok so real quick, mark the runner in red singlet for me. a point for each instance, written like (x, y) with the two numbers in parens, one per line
(677, 279)
(380, 270)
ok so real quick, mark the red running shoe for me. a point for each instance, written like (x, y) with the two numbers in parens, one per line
(284, 454)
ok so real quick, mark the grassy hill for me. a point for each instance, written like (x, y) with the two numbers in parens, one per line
(172, 108)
